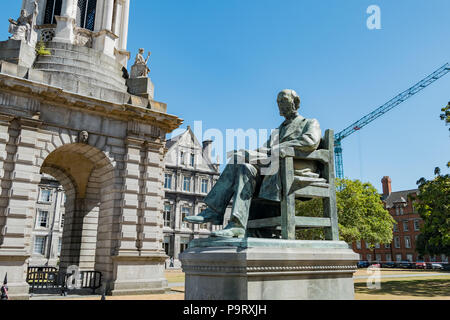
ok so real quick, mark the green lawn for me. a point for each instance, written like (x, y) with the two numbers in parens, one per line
(420, 288)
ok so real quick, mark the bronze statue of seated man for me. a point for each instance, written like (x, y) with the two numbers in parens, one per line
(239, 181)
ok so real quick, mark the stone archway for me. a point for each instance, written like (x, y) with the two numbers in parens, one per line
(87, 175)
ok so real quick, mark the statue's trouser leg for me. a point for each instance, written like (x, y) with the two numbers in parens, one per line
(244, 188)
(238, 180)
(220, 195)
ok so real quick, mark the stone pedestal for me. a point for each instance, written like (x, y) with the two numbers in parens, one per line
(65, 29)
(142, 87)
(265, 269)
(15, 268)
(104, 41)
(138, 275)
(18, 52)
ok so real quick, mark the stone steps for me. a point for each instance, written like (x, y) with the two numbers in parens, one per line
(65, 80)
(108, 79)
(79, 63)
(84, 53)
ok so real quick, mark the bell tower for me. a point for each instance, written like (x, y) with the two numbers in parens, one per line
(99, 24)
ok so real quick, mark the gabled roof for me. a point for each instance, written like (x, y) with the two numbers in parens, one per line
(398, 197)
(172, 143)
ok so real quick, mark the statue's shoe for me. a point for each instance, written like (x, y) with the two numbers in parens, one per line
(207, 215)
(234, 232)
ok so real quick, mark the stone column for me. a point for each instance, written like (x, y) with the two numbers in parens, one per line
(139, 259)
(19, 194)
(105, 39)
(65, 24)
(108, 15)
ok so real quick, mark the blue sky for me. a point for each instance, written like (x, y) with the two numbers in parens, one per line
(224, 61)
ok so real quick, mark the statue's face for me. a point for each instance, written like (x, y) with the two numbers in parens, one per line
(23, 13)
(286, 104)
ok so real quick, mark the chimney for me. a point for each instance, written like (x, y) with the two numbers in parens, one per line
(387, 189)
(207, 146)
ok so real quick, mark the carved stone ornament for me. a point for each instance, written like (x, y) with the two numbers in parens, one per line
(83, 137)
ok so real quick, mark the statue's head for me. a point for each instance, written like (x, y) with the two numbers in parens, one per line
(288, 103)
(141, 50)
(23, 13)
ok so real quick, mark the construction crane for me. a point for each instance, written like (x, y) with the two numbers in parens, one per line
(361, 123)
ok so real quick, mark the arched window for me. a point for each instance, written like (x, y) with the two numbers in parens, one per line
(86, 10)
(52, 9)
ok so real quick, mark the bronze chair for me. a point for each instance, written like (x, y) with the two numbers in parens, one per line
(269, 218)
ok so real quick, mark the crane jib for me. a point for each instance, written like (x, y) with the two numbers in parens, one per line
(361, 123)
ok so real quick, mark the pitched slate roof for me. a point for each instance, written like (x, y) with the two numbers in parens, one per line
(398, 196)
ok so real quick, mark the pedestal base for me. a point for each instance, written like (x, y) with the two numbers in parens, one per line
(142, 87)
(265, 269)
(138, 275)
(18, 52)
(16, 269)
(65, 30)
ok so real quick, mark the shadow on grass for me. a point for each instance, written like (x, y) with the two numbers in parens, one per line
(417, 288)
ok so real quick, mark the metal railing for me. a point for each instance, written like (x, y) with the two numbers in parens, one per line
(48, 280)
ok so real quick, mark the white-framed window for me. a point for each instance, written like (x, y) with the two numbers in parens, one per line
(416, 225)
(185, 212)
(378, 257)
(166, 245)
(39, 244)
(45, 195)
(401, 210)
(377, 246)
(59, 246)
(405, 225)
(42, 219)
(62, 221)
(407, 242)
(182, 157)
(183, 244)
(168, 181)
(395, 227)
(398, 257)
(397, 212)
(192, 160)
(204, 185)
(358, 244)
(409, 257)
(397, 242)
(187, 184)
(387, 246)
(86, 10)
(167, 214)
(444, 258)
(52, 9)
(367, 245)
(369, 257)
(388, 257)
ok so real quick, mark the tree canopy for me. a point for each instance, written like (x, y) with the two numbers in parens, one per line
(433, 205)
(361, 214)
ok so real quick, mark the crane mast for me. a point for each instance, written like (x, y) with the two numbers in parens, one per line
(391, 104)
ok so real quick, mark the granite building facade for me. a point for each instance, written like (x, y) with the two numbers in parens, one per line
(189, 175)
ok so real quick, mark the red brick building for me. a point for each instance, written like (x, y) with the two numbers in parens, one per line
(403, 247)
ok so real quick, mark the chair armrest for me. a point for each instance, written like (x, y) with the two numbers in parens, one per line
(318, 155)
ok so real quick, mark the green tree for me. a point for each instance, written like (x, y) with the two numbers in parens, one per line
(361, 214)
(433, 205)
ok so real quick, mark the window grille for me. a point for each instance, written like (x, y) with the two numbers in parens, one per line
(52, 9)
(86, 14)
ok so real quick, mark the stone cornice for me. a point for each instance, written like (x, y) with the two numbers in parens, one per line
(57, 96)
